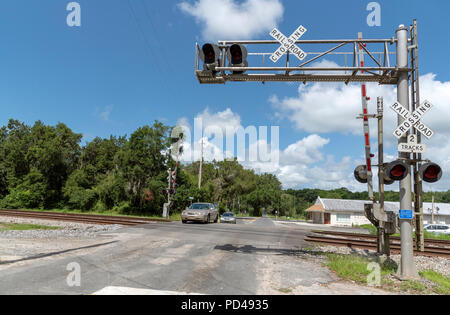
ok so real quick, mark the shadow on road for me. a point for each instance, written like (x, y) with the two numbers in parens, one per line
(54, 253)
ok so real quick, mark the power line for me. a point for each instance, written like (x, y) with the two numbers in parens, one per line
(155, 33)
(147, 44)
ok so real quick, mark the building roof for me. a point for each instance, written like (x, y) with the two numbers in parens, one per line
(339, 205)
(316, 208)
(439, 208)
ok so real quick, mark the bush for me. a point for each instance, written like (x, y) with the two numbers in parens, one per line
(123, 208)
(30, 194)
(82, 199)
(111, 191)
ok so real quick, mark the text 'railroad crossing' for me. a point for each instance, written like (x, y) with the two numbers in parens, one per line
(412, 120)
(288, 44)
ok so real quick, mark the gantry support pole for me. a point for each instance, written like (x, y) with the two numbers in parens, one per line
(407, 270)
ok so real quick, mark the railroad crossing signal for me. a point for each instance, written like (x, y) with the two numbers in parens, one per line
(397, 170)
(288, 44)
(430, 172)
(361, 174)
(210, 54)
(412, 120)
(237, 57)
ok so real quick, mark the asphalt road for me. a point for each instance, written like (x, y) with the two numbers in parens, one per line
(251, 257)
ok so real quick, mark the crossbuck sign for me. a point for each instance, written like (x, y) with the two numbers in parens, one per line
(412, 120)
(288, 44)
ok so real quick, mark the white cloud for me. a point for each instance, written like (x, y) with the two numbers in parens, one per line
(305, 151)
(231, 19)
(301, 164)
(105, 114)
(332, 107)
(325, 108)
(226, 120)
(306, 162)
(211, 128)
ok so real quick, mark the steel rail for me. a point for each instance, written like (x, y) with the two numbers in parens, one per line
(444, 243)
(372, 245)
(95, 219)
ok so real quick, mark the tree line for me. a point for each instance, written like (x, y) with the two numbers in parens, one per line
(46, 167)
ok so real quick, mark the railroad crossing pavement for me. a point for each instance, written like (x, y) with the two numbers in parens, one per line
(254, 257)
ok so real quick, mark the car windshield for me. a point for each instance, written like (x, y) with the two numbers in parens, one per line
(199, 206)
(228, 215)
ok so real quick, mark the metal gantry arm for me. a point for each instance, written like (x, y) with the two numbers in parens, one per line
(380, 72)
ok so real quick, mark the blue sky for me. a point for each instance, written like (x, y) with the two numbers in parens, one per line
(132, 62)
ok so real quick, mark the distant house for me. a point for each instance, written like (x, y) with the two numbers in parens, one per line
(351, 212)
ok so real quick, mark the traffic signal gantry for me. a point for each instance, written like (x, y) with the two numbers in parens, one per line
(352, 69)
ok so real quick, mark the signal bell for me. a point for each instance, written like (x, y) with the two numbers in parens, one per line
(430, 172)
(397, 170)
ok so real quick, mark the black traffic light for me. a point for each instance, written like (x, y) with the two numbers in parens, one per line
(210, 54)
(164, 191)
(387, 180)
(237, 57)
(361, 174)
(430, 172)
(397, 170)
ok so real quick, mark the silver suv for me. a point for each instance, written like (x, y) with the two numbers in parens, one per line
(438, 228)
(200, 212)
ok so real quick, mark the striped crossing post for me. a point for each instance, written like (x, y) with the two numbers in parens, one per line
(365, 100)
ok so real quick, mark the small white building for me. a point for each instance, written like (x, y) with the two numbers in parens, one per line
(351, 212)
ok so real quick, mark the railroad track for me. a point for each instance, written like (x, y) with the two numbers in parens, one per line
(80, 218)
(433, 248)
(431, 242)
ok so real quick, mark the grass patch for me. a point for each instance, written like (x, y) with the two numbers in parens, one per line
(25, 227)
(369, 227)
(435, 236)
(354, 267)
(442, 283)
(175, 217)
(414, 287)
(285, 290)
(285, 218)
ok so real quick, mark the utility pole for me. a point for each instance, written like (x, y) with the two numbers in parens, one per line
(201, 169)
(167, 205)
(407, 270)
(432, 210)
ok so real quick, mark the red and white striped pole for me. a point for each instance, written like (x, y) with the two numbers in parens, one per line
(365, 100)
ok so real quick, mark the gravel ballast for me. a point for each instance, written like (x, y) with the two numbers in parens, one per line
(65, 229)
